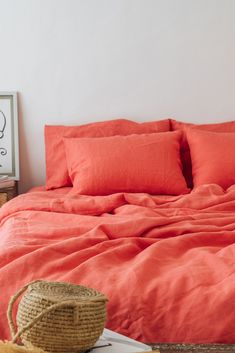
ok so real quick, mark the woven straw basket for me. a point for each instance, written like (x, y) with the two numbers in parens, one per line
(58, 317)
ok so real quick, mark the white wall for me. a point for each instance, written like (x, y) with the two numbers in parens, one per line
(76, 61)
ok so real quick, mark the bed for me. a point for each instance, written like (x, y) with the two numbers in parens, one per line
(163, 252)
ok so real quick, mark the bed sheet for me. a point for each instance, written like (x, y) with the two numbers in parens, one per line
(166, 263)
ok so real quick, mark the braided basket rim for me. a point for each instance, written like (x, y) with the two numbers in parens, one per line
(48, 290)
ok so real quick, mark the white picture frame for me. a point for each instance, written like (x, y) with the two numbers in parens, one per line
(9, 135)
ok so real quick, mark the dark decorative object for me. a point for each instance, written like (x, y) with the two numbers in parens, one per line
(4, 120)
(3, 150)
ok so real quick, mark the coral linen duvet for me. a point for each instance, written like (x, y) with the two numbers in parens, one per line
(166, 263)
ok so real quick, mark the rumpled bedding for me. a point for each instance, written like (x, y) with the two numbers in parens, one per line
(166, 263)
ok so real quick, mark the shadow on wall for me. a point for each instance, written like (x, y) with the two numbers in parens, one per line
(23, 148)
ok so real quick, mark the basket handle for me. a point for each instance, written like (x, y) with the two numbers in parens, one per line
(15, 334)
(13, 299)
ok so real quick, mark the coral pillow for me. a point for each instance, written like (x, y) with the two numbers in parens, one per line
(56, 167)
(135, 163)
(213, 157)
(228, 126)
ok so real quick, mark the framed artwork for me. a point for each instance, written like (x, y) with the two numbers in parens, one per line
(9, 141)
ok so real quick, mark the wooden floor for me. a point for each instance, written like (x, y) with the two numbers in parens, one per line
(194, 348)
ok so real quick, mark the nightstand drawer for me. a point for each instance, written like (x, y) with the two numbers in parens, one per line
(7, 194)
(3, 198)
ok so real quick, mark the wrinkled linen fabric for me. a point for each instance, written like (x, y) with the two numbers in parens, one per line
(166, 263)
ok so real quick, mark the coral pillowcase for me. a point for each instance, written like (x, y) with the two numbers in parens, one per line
(136, 163)
(56, 168)
(213, 157)
(228, 126)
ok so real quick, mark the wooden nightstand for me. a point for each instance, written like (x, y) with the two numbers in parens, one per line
(7, 194)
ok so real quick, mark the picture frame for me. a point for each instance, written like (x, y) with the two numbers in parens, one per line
(9, 135)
